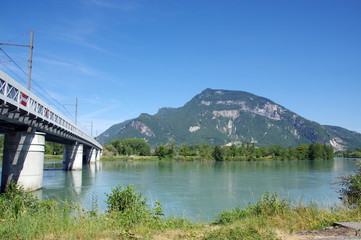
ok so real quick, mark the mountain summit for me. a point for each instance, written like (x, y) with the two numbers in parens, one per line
(224, 117)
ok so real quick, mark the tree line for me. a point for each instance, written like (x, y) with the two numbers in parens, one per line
(349, 154)
(203, 151)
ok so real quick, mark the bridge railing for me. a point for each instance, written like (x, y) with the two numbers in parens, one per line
(14, 93)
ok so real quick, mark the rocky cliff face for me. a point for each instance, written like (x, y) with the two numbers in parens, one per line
(222, 117)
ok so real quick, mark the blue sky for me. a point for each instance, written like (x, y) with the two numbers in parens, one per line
(123, 58)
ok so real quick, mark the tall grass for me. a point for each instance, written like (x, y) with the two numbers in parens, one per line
(22, 216)
(271, 213)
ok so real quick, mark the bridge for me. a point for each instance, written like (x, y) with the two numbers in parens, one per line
(27, 122)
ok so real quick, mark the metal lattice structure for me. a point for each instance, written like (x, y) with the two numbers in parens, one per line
(21, 109)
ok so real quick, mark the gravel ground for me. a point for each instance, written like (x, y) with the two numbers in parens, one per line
(337, 233)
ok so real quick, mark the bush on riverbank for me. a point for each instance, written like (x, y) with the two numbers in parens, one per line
(351, 188)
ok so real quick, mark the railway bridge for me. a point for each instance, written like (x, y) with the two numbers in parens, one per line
(27, 122)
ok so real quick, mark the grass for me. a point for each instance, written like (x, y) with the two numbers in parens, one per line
(22, 216)
(53, 157)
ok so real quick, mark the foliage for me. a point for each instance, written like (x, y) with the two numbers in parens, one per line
(127, 147)
(121, 200)
(354, 154)
(23, 216)
(164, 152)
(204, 151)
(268, 205)
(14, 202)
(54, 148)
(317, 151)
(218, 153)
(129, 208)
(231, 216)
(351, 188)
(271, 213)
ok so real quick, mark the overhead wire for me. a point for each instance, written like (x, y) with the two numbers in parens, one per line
(63, 109)
(12, 60)
(17, 37)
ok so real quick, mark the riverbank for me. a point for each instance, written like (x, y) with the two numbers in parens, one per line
(190, 159)
(24, 217)
(52, 157)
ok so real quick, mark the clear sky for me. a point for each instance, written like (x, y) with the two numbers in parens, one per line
(123, 58)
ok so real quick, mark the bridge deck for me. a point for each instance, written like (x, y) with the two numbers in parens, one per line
(21, 109)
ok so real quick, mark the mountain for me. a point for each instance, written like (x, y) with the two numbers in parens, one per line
(223, 117)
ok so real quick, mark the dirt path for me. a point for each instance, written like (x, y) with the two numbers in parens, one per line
(336, 233)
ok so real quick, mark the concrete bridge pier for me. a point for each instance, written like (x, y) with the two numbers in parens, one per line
(73, 157)
(92, 155)
(23, 160)
(89, 155)
(99, 154)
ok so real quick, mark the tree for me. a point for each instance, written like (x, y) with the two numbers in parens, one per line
(54, 148)
(163, 152)
(128, 146)
(134, 146)
(315, 151)
(328, 152)
(204, 150)
(233, 151)
(109, 150)
(218, 153)
(184, 150)
(302, 152)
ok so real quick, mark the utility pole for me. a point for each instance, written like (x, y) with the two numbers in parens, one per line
(30, 61)
(30, 64)
(76, 109)
(91, 130)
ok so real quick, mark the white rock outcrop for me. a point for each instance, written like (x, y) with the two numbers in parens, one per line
(142, 128)
(194, 128)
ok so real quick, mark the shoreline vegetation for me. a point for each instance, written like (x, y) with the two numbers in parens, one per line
(128, 216)
(138, 149)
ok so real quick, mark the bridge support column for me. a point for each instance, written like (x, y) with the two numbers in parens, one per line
(99, 153)
(93, 155)
(73, 157)
(23, 160)
(90, 155)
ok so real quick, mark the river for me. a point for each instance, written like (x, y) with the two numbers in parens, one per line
(199, 191)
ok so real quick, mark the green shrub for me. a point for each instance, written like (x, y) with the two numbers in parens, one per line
(14, 202)
(269, 205)
(351, 188)
(129, 208)
(231, 216)
(121, 200)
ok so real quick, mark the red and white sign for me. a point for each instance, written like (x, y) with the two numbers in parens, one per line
(24, 99)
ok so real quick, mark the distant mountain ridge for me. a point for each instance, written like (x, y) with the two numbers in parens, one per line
(224, 117)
